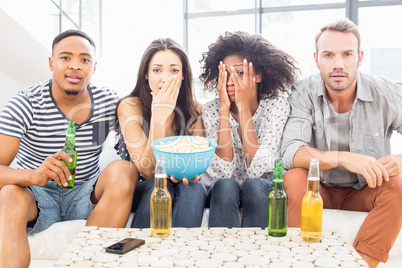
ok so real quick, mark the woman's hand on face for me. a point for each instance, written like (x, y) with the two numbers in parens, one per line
(245, 87)
(223, 94)
(164, 102)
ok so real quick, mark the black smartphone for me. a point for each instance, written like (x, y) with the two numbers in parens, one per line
(125, 245)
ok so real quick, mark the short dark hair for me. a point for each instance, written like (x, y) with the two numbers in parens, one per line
(72, 32)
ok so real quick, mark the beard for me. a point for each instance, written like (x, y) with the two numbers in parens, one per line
(337, 86)
(71, 92)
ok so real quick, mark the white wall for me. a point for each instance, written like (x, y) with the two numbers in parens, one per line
(23, 59)
(128, 28)
(8, 88)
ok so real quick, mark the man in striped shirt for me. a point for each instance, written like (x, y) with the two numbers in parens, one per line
(33, 129)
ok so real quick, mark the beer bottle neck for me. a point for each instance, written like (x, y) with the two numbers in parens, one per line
(161, 182)
(277, 181)
(313, 185)
(70, 137)
(314, 176)
(277, 185)
(70, 141)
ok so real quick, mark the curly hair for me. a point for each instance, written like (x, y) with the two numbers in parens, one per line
(277, 69)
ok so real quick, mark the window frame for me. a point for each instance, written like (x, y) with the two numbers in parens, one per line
(351, 12)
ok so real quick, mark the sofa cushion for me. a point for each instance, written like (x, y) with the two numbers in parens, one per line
(52, 242)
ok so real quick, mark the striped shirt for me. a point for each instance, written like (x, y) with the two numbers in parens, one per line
(33, 116)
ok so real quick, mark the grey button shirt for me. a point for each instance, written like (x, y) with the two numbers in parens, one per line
(376, 112)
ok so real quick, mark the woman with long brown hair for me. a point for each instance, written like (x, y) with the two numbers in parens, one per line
(162, 104)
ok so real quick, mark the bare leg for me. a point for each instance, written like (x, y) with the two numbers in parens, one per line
(17, 208)
(113, 194)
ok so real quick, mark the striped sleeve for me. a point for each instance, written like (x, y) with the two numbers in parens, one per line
(16, 116)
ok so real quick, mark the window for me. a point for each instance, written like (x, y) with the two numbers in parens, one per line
(294, 32)
(205, 31)
(381, 43)
(195, 6)
(292, 24)
(81, 14)
(273, 3)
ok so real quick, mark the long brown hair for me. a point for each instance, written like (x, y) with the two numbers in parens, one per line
(185, 113)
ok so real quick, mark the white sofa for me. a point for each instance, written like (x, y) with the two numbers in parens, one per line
(47, 246)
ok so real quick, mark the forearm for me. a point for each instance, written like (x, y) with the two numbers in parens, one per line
(144, 161)
(328, 160)
(10, 176)
(224, 150)
(160, 127)
(249, 138)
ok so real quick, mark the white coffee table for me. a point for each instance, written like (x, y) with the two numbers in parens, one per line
(215, 247)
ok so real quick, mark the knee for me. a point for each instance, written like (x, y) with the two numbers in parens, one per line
(254, 193)
(225, 191)
(252, 185)
(224, 185)
(295, 178)
(122, 175)
(295, 174)
(12, 196)
(394, 191)
(124, 171)
(197, 189)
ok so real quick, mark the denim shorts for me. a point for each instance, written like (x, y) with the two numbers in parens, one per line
(56, 204)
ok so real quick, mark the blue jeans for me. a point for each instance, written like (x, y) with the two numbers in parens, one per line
(225, 197)
(188, 202)
(56, 204)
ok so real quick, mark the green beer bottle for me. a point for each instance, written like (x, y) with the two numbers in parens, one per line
(69, 148)
(277, 204)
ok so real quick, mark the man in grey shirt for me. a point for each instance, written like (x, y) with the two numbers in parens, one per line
(345, 119)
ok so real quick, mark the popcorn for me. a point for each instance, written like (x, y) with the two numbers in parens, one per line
(185, 144)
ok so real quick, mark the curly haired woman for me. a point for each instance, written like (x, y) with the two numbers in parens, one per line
(251, 78)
